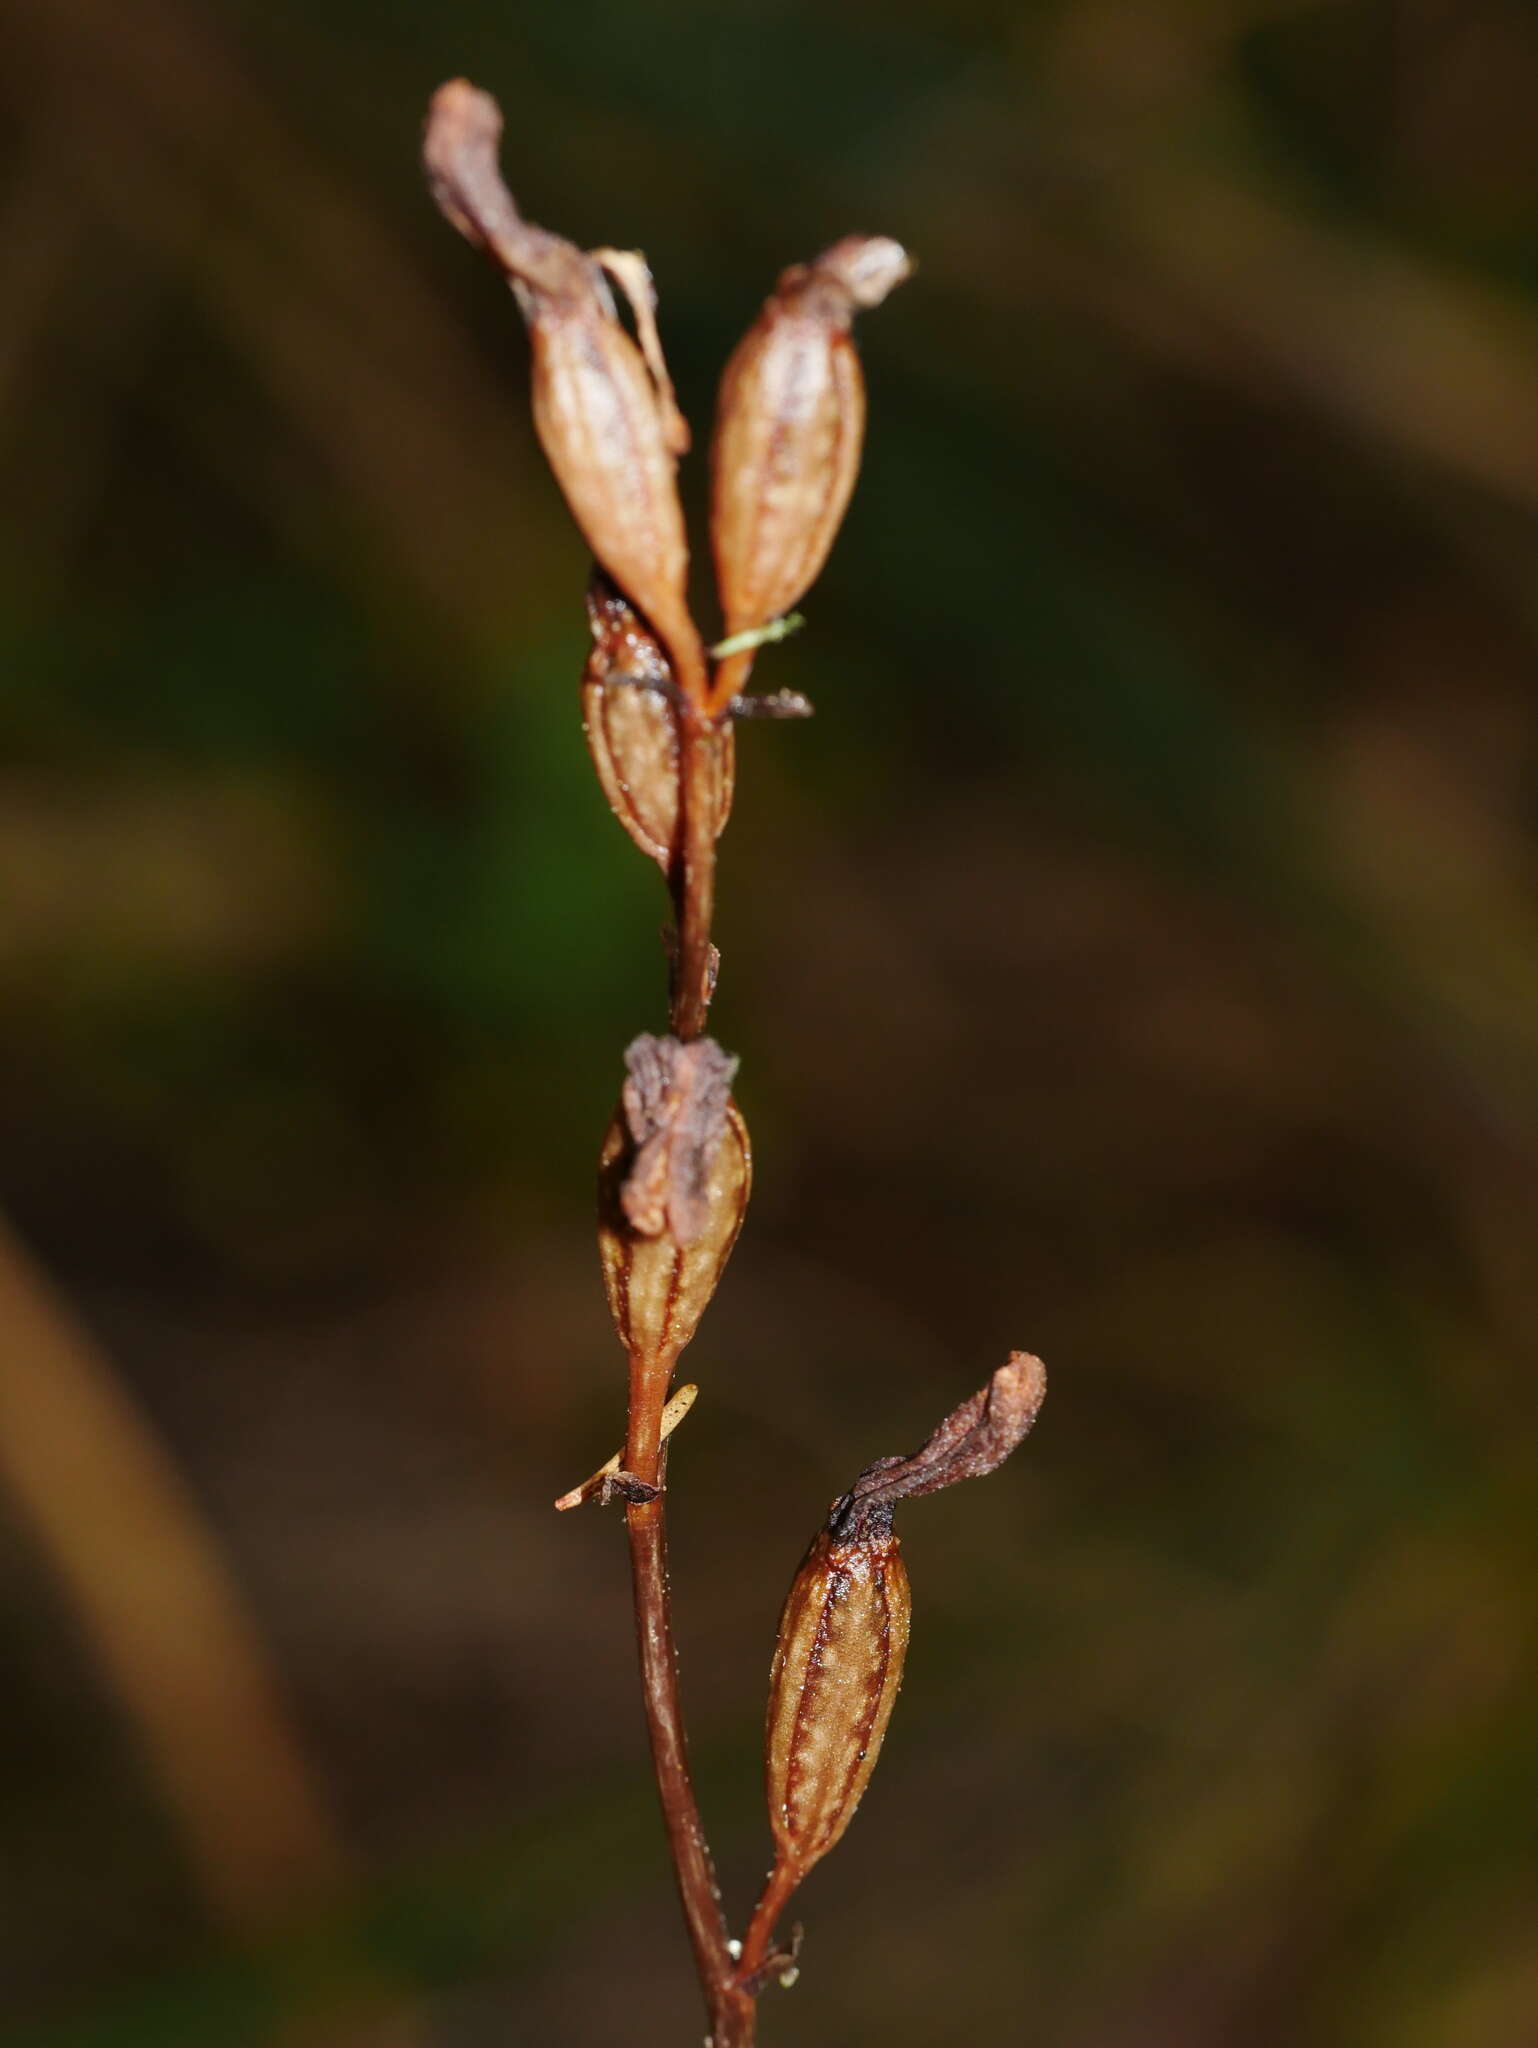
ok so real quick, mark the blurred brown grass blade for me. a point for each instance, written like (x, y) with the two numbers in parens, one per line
(1199, 259)
(165, 1624)
(170, 1635)
(1434, 363)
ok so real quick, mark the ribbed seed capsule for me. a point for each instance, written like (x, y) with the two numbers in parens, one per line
(598, 421)
(632, 733)
(605, 419)
(789, 427)
(839, 1655)
(837, 1666)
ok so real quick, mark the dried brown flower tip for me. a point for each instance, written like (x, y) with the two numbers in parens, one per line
(606, 421)
(973, 1440)
(789, 426)
(674, 1099)
(837, 1666)
(658, 1288)
(629, 719)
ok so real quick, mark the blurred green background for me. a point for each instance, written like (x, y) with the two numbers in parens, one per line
(1135, 960)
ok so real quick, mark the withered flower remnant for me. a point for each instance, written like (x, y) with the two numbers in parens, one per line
(675, 1099)
(790, 424)
(972, 1441)
(683, 1164)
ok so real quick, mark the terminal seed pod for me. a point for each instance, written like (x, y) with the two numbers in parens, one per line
(607, 423)
(790, 423)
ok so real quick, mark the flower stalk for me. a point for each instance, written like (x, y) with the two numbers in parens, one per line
(659, 705)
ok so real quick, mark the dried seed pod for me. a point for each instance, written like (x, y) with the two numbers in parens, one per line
(837, 1666)
(596, 415)
(789, 425)
(844, 1632)
(607, 425)
(632, 733)
(674, 1173)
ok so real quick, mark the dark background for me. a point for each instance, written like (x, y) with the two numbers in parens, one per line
(1135, 960)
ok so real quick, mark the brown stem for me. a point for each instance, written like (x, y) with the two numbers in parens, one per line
(731, 2010)
(757, 1942)
(734, 2021)
(694, 869)
(731, 677)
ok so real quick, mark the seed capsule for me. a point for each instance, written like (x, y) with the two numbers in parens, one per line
(632, 733)
(606, 421)
(789, 427)
(596, 414)
(837, 1666)
(844, 1632)
(674, 1173)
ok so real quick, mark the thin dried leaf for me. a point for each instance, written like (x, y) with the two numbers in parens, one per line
(631, 272)
(593, 1487)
